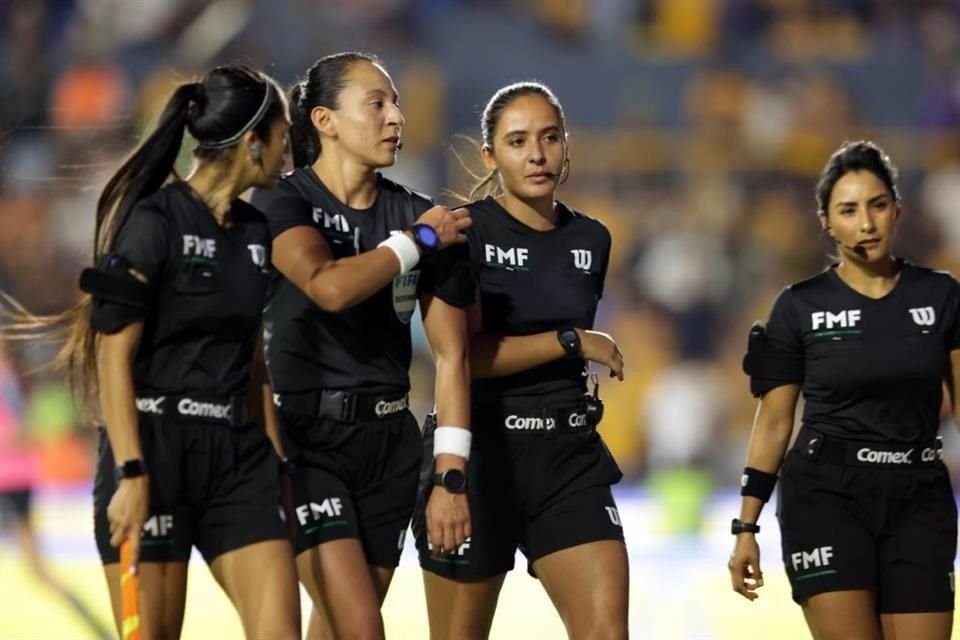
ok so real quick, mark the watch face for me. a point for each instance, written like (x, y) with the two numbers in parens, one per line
(454, 480)
(427, 236)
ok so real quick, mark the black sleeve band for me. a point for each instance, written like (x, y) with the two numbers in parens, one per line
(120, 297)
(114, 280)
(757, 484)
(767, 367)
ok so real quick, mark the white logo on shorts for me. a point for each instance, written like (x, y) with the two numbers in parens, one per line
(884, 457)
(517, 423)
(188, 407)
(159, 525)
(818, 557)
(151, 405)
(330, 508)
(462, 549)
(577, 420)
(614, 516)
(384, 408)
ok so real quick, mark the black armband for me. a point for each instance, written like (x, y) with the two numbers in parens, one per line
(757, 484)
(115, 280)
(120, 294)
(768, 367)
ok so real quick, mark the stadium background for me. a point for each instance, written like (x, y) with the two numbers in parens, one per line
(697, 129)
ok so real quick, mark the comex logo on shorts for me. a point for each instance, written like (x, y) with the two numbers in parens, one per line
(151, 405)
(188, 407)
(385, 408)
(867, 454)
(519, 423)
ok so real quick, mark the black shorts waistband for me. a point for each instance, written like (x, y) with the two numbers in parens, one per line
(343, 406)
(815, 446)
(545, 421)
(228, 410)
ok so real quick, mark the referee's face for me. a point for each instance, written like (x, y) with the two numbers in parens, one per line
(368, 121)
(528, 148)
(862, 213)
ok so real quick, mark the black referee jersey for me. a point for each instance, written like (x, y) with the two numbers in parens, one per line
(873, 368)
(207, 286)
(532, 282)
(367, 346)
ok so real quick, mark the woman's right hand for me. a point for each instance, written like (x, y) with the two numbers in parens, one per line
(601, 348)
(127, 513)
(450, 225)
(744, 566)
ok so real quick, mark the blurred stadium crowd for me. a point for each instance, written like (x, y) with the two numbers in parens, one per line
(697, 130)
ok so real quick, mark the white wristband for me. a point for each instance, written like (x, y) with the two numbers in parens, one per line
(455, 440)
(405, 249)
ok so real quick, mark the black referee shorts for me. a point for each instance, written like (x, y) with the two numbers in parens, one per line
(354, 480)
(864, 516)
(211, 485)
(537, 489)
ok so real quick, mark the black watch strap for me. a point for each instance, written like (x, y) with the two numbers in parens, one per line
(131, 469)
(739, 526)
(569, 339)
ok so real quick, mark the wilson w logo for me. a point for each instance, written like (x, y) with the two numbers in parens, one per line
(923, 316)
(582, 258)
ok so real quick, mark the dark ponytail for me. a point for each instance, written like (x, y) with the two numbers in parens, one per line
(321, 88)
(229, 101)
(146, 170)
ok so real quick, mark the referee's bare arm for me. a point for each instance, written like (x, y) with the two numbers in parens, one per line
(448, 515)
(130, 504)
(953, 385)
(772, 427)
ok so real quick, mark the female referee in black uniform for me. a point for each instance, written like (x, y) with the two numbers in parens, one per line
(867, 514)
(350, 248)
(169, 342)
(539, 475)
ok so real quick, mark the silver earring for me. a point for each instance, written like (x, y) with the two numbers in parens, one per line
(255, 151)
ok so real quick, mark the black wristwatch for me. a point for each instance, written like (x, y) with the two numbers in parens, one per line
(453, 480)
(131, 469)
(570, 341)
(739, 526)
(426, 237)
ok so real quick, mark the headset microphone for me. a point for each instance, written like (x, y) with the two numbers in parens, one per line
(856, 248)
(399, 145)
(860, 251)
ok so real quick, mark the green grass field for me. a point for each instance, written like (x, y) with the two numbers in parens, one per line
(679, 588)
